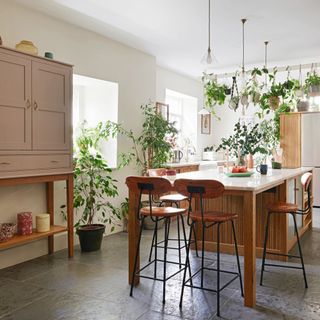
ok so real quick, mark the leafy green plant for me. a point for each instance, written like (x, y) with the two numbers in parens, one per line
(313, 79)
(93, 184)
(208, 149)
(243, 141)
(253, 87)
(215, 94)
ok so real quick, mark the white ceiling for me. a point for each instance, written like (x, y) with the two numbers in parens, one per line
(175, 31)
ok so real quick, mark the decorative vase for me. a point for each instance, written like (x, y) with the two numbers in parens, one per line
(43, 222)
(7, 231)
(24, 223)
(250, 163)
(27, 47)
(241, 161)
(274, 102)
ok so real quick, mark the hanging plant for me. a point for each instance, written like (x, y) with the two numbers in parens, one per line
(215, 94)
(235, 98)
(254, 87)
(312, 84)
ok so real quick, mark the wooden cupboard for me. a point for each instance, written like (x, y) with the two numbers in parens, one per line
(36, 132)
(35, 115)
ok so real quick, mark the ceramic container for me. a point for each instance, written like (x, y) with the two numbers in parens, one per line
(27, 47)
(43, 222)
(7, 231)
(24, 223)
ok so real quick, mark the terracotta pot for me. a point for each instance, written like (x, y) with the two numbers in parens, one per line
(250, 163)
(274, 102)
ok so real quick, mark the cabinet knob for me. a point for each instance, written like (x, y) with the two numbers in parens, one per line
(35, 105)
(28, 104)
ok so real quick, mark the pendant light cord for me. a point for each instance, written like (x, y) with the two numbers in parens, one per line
(243, 22)
(209, 25)
(266, 60)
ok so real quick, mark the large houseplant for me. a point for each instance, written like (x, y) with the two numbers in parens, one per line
(244, 141)
(93, 187)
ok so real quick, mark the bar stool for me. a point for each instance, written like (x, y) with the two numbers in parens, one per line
(200, 190)
(170, 199)
(154, 186)
(285, 208)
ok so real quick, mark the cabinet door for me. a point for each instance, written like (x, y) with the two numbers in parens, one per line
(51, 95)
(15, 102)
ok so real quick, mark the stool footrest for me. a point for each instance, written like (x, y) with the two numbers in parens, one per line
(283, 254)
(282, 266)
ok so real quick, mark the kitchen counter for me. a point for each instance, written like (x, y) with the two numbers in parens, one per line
(256, 182)
(203, 164)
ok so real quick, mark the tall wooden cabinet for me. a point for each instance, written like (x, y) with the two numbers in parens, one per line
(35, 115)
(36, 131)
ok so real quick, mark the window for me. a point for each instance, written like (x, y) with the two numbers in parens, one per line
(96, 100)
(183, 109)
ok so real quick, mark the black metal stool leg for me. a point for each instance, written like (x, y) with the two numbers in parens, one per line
(202, 256)
(155, 248)
(136, 258)
(166, 236)
(186, 245)
(237, 255)
(179, 245)
(152, 244)
(195, 239)
(300, 251)
(187, 266)
(218, 269)
(265, 248)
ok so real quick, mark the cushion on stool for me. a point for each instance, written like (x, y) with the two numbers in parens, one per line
(162, 211)
(212, 216)
(282, 207)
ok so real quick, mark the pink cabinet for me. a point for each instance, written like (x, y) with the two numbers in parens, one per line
(35, 115)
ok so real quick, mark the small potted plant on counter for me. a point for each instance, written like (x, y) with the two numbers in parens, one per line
(208, 153)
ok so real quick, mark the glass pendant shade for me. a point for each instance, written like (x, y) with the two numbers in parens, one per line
(207, 58)
(204, 111)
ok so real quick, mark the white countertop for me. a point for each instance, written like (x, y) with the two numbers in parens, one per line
(256, 182)
(199, 162)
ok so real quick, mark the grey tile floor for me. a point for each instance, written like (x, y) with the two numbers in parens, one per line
(94, 286)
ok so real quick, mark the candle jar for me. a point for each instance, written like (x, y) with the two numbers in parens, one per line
(24, 223)
(43, 222)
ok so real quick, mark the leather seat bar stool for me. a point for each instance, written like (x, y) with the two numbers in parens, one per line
(154, 186)
(170, 200)
(201, 190)
(285, 208)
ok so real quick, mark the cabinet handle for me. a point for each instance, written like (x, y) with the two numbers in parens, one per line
(54, 161)
(28, 104)
(5, 163)
(35, 105)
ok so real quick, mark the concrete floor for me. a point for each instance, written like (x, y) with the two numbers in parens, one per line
(94, 286)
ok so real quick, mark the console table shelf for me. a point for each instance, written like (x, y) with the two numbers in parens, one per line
(19, 240)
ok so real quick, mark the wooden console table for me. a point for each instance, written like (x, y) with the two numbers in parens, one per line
(54, 229)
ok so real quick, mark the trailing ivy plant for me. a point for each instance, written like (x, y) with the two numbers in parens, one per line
(215, 93)
(313, 79)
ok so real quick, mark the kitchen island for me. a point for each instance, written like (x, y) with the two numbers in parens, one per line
(248, 198)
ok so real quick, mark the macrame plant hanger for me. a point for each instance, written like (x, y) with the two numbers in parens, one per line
(234, 99)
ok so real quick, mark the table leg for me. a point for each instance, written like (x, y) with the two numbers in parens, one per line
(250, 249)
(133, 234)
(70, 215)
(50, 210)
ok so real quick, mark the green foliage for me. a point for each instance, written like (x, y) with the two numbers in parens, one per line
(215, 94)
(313, 79)
(209, 148)
(269, 140)
(93, 184)
(155, 136)
(244, 141)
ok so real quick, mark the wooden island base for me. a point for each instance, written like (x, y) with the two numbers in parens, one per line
(280, 239)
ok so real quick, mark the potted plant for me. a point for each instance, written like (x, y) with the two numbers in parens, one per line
(215, 93)
(312, 84)
(254, 87)
(208, 153)
(244, 141)
(93, 186)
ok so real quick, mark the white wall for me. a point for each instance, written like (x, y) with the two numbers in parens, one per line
(93, 56)
(167, 79)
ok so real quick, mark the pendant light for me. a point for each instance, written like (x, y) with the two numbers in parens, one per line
(243, 78)
(208, 56)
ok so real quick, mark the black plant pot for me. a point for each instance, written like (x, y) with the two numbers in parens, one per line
(90, 236)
